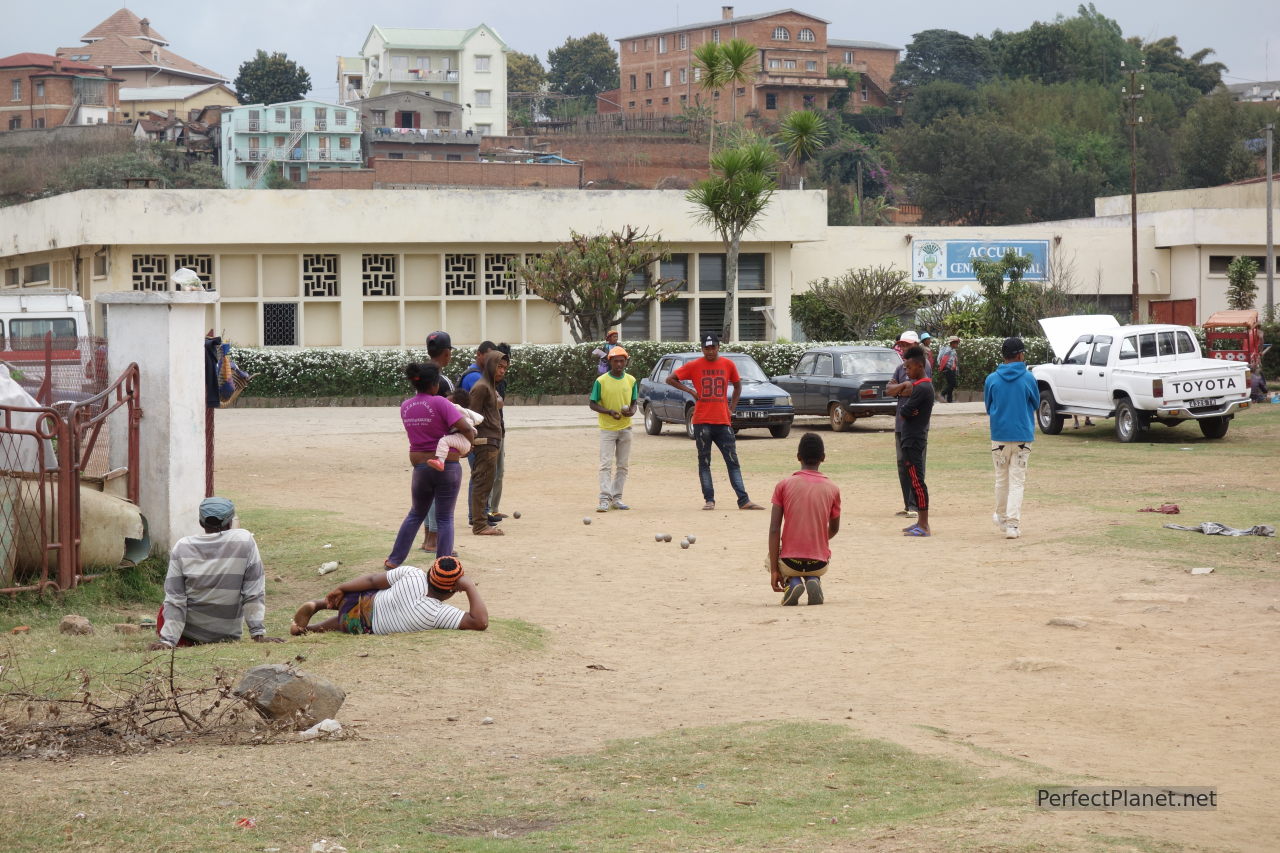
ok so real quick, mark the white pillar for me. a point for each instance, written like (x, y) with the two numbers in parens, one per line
(164, 334)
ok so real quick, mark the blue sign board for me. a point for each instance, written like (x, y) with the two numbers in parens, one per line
(952, 260)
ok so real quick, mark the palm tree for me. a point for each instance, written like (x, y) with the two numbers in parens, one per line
(741, 62)
(803, 134)
(731, 201)
(709, 66)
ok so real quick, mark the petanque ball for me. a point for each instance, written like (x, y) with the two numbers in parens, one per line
(666, 537)
(586, 520)
(684, 543)
(691, 538)
(658, 537)
(515, 514)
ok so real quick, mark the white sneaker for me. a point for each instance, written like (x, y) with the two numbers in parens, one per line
(999, 525)
(1011, 532)
(603, 506)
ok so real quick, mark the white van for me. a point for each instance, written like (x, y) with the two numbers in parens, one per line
(26, 316)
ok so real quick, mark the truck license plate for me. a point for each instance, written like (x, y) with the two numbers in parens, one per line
(1202, 402)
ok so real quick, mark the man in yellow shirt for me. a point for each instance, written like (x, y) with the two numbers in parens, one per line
(613, 397)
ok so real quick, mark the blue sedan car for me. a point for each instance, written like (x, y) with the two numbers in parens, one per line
(762, 404)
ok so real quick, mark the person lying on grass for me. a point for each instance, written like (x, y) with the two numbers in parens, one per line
(400, 600)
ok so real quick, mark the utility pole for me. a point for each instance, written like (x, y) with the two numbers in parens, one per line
(1271, 244)
(1132, 93)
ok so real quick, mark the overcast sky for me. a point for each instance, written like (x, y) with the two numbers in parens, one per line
(1245, 34)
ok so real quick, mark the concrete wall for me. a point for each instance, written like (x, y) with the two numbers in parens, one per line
(74, 134)
(447, 173)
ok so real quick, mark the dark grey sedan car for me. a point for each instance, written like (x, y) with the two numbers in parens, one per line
(842, 383)
(762, 403)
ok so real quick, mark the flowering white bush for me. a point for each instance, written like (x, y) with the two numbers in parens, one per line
(536, 369)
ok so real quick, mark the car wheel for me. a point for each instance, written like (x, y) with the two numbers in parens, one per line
(1214, 427)
(652, 423)
(1047, 415)
(840, 420)
(1129, 424)
(688, 422)
(780, 430)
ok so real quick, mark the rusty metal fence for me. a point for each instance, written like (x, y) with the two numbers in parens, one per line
(48, 450)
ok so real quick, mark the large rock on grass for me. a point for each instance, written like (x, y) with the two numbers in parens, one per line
(72, 624)
(279, 692)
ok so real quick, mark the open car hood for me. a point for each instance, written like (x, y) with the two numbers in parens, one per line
(1063, 331)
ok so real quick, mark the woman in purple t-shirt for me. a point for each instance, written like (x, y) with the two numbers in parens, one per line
(427, 418)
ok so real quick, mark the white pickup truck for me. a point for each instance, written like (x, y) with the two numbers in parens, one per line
(1137, 375)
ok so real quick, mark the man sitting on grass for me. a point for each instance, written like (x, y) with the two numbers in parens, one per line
(400, 600)
(215, 579)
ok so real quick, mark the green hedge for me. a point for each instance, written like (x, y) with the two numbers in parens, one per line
(536, 369)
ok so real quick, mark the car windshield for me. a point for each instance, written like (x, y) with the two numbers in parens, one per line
(747, 368)
(852, 363)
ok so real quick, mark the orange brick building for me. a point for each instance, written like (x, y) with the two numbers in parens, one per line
(874, 61)
(658, 77)
(38, 90)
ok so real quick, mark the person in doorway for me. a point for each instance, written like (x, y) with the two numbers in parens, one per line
(712, 378)
(215, 581)
(613, 399)
(1011, 398)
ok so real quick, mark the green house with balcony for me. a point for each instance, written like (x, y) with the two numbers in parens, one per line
(302, 136)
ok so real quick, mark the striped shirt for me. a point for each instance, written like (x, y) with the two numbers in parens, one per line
(214, 581)
(407, 607)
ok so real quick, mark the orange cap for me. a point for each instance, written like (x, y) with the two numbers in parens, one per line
(619, 351)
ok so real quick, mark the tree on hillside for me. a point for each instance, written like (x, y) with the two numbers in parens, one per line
(583, 66)
(731, 201)
(1165, 55)
(974, 170)
(942, 55)
(525, 72)
(1210, 146)
(271, 79)
(802, 134)
(717, 65)
(590, 279)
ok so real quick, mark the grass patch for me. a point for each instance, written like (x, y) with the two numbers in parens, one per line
(755, 786)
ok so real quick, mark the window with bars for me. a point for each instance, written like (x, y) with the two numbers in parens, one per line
(320, 275)
(279, 324)
(150, 272)
(635, 326)
(676, 267)
(460, 275)
(499, 275)
(673, 320)
(710, 316)
(378, 275)
(201, 265)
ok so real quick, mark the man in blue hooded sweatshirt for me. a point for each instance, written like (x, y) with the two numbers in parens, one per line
(1011, 398)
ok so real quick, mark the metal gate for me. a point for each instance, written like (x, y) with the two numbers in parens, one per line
(46, 452)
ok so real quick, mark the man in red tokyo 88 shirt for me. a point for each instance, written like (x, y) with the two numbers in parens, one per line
(712, 378)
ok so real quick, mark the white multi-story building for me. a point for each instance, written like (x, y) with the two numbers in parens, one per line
(467, 67)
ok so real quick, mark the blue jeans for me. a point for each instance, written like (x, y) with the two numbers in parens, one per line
(704, 435)
(430, 489)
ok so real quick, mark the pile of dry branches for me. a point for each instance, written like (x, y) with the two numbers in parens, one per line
(81, 713)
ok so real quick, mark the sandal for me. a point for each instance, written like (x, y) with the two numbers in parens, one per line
(915, 531)
(490, 531)
(709, 505)
(750, 505)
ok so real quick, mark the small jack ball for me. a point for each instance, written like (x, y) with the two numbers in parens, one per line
(586, 521)
(515, 514)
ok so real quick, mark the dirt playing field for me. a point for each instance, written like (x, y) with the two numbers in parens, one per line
(942, 645)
